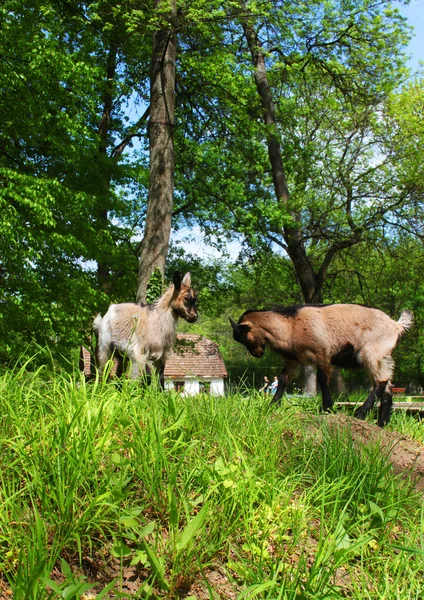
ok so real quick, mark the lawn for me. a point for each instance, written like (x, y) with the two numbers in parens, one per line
(109, 491)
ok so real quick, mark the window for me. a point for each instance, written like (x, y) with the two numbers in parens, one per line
(179, 386)
(205, 387)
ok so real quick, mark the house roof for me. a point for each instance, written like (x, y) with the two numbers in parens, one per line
(195, 355)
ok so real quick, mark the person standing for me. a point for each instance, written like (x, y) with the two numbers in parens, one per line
(273, 387)
(265, 387)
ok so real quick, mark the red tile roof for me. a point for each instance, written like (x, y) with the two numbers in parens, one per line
(195, 355)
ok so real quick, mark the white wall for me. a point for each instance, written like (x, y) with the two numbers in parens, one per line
(217, 386)
(192, 387)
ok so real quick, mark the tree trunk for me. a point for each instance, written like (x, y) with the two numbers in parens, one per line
(311, 283)
(292, 234)
(310, 388)
(157, 229)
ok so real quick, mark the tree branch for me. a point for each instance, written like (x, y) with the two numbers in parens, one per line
(118, 150)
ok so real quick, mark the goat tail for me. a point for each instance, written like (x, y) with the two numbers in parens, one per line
(406, 320)
(97, 324)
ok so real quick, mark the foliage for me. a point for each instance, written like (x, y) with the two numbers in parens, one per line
(329, 92)
(53, 174)
(162, 488)
(155, 287)
(389, 277)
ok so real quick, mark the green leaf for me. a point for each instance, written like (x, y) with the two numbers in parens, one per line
(129, 522)
(255, 590)
(148, 529)
(120, 549)
(157, 568)
(119, 460)
(228, 483)
(140, 556)
(105, 590)
(192, 528)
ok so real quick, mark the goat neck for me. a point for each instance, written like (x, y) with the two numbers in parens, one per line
(276, 328)
(165, 302)
(256, 329)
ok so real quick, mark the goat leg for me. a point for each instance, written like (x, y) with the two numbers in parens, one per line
(160, 367)
(386, 403)
(327, 401)
(285, 376)
(377, 391)
(283, 380)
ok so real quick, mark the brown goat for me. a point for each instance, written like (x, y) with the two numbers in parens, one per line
(328, 336)
(145, 334)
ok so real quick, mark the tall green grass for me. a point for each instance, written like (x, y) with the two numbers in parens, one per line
(181, 487)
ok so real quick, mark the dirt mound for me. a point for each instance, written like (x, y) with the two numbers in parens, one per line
(405, 455)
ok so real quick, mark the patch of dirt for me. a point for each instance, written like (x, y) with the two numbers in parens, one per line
(405, 455)
(5, 591)
(130, 579)
(219, 585)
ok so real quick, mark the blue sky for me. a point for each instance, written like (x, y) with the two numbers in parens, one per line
(415, 15)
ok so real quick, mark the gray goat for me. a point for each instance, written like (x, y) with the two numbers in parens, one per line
(327, 336)
(145, 334)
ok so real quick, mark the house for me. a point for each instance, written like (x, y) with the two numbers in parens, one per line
(195, 365)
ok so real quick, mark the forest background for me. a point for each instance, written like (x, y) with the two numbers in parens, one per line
(298, 133)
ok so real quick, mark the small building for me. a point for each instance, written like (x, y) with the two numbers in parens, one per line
(195, 365)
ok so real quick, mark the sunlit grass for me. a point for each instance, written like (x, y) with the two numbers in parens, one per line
(178, 487)
(412, 426)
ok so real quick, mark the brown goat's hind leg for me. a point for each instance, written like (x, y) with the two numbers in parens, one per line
(386, 403)
(327, 401)
(377, 391)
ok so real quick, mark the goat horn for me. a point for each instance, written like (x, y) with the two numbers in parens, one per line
(233, 325)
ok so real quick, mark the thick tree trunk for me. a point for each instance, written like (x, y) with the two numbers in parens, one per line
(157, 229)
(292, 234)
(310, 388)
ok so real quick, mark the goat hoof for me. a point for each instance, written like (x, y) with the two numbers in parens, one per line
(359, 415)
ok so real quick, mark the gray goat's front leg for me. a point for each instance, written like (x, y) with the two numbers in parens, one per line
(157, 370)
(139, 367)
(135, 370)
(161, 371)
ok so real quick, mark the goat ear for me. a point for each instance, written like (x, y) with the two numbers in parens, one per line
(187, 279)
(176, 278)
(240, 326)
